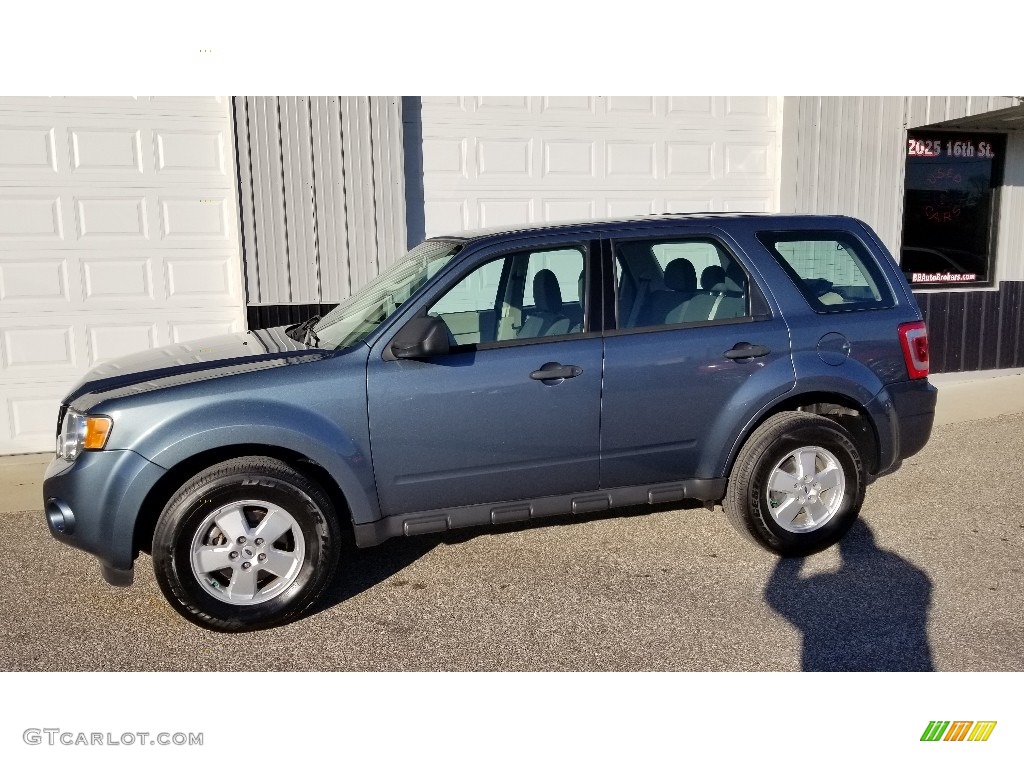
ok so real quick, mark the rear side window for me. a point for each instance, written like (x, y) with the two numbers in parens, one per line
(834, 272)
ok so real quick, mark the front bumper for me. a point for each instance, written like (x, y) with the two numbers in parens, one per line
(93, 504)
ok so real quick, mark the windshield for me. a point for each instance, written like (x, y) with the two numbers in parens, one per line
(357, 316)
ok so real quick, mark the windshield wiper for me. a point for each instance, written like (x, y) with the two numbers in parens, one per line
(304, 331)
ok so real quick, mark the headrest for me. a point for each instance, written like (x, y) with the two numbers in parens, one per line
(680, 276)
(711, 277)
(547, 295)
(735, 279)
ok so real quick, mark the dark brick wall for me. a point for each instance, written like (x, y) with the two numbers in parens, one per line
(975, 330)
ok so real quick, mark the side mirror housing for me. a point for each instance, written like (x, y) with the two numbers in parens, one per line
(422, 337)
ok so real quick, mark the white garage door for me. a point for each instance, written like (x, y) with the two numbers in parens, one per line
(494, 161)
(118, 232)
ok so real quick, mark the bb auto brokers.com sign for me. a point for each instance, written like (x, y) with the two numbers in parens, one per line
(950, 183)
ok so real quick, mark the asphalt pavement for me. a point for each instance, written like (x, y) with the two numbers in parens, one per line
(930, 578)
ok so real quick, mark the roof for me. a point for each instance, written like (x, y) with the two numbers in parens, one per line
(474, 234)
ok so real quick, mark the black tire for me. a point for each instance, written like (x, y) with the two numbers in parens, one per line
(746, 501)
(252, 478)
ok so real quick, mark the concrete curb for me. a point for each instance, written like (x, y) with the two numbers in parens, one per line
(962, 397)
(969, 397)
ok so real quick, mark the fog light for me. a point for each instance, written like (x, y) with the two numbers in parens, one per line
(60, 517)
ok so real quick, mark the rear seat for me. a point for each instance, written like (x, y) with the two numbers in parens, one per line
(680, 284)
(721, 296)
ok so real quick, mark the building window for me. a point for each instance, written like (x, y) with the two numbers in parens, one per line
(949, 209)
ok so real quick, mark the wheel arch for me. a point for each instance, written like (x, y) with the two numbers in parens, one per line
(178, 474)
(845, 409)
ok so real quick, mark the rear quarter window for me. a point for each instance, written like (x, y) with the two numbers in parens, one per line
(833, 270)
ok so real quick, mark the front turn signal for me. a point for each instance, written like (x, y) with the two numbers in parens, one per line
(97, 430)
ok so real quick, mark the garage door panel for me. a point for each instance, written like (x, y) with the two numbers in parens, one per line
(571, 209)
(568, 105)
(106, 149)
(733, 112)
(61, 349)
(118, 233)
(615, 207)
(616, 112)
(30, 282)
(121, 217)
(119, 281)
(691, 108)
(118, 217)
(31, 347)
(447, 216)
(691, 162)
(188, 330)
(30, 218)
(689, 204)
(190, 152)
(27, 148)
(70, 149)
(197, 219)
(631, 159)
(555, 156)
(569, 159)
(169, 106)
(110, 340)
(72, 281)
(499, 212)
(500, 158)
(505, 161)
(634, 106)
(192, 280)
(28, 417)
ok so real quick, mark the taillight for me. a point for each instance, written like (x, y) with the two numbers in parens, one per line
(914, 340)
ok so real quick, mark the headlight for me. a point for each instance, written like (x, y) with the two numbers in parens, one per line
(79, 432)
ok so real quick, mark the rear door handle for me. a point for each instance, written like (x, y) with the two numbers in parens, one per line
(745, 350)
(550, 371)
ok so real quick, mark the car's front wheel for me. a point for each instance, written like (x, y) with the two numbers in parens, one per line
(797, 484)
(246, 544)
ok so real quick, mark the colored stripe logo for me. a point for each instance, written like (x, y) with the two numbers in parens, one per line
(958, 730)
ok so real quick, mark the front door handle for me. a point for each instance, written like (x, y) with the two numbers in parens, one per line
(745, 350)
(550, 371)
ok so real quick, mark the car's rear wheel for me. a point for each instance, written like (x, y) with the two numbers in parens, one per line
(797, 484)
(246, 544)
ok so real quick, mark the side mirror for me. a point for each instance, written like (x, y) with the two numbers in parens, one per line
(422, 337)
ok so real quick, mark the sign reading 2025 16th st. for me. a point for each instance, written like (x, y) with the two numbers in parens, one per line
(960, 147)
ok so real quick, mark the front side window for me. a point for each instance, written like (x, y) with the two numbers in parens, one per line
(360, 314)
(833, 271)
(949, 207)
(668, 282)
(524, 295)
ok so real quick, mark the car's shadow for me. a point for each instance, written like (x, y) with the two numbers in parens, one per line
(870, 615)
(362, 569)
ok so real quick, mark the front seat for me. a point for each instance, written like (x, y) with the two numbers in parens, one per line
(547, 318)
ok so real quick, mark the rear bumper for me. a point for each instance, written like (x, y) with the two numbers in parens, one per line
(914, 413)
(93, 503)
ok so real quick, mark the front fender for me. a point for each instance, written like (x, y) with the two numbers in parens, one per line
(273, 424)
(318, 411)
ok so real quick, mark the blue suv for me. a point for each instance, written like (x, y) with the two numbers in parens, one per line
(769, 363)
